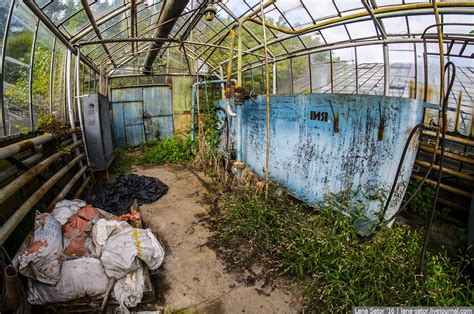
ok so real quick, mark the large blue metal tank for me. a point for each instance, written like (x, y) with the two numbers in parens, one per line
(312, 155)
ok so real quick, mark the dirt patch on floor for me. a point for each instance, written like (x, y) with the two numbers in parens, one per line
(193, 278)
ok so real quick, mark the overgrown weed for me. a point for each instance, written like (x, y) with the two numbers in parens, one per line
(323, 251)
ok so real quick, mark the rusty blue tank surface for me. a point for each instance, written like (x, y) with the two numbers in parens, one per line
(328, 143)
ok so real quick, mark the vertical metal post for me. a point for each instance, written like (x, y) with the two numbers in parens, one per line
(310, 74)
(2, 65)
(357, 71)
(416, 72)
(30, 78)
(332, 74)
(386, 81)
(78, 102)
(274, 77)
(51, 77)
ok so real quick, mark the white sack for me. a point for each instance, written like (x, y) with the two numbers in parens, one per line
(42, 259)
(128, 291)
(103, 229)
(79, 278)
(122, 252)
(65, 209)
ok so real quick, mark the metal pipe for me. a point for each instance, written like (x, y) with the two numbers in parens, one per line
(229, 76)
(170, 13)
(79, 107)
(239, 42)
(448, 154)
(26, 176)
(15, 148)
(11, 300)
(193, 100)
(458, 112)
(267, 100)
(455, 173)
(450, 138)
(7, 228)
(82, 187)
(67, 188)
(445, 187)
(14, 169)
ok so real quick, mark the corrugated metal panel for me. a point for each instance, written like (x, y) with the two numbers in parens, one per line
(133, 113)
(135, 134)
(157, 101)
(118, 124)
(309, 157)
(127, 94)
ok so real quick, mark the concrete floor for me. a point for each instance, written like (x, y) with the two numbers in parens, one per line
(192, 278)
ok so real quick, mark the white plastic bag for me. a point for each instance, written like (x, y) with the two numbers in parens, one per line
(42, 259)
(103, 229)
(65, 209)
(79, 278)
(123, 251)
(128, 291)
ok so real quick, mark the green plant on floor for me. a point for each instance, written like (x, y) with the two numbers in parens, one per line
(323, 252)
(422, 203)
(209, 132)
(169, 150)
(124, 159)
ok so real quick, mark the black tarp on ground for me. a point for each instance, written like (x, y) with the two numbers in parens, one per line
(118, 197)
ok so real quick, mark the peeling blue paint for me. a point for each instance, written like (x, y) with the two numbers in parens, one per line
(312, 155)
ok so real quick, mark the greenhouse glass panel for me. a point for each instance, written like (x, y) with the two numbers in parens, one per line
(59, 79)
(16, 70)
(402, 70)
(320, 72)
(344, 71)
(4, 10)
(320, 9)
(60, 10)
(370, 70)
(284, 77)
(40, 83)
(301, 81)
(395, 25)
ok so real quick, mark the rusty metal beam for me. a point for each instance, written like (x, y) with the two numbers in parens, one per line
(82, 187)
(26, 176)
(15, 148)
(67, 188)
(7, 228)
(445, 187)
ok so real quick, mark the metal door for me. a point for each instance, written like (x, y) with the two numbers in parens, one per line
(140, 114)
(158, 112)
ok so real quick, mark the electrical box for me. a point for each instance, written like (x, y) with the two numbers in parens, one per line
(97, 128)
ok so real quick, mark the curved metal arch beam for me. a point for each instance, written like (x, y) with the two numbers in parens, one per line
(394, 11)
(101, 21)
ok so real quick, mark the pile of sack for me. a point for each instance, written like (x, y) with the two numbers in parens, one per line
(77, 249)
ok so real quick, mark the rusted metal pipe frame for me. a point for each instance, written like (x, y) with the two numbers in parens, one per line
(14, 169)
(449, 154)
(377, 23)
(26, 176)
(82, 187)
(445, 187)
(450, 138)
(455, 173)
(15, 148)
(7, 228)
(67, 187)
(458, 112)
